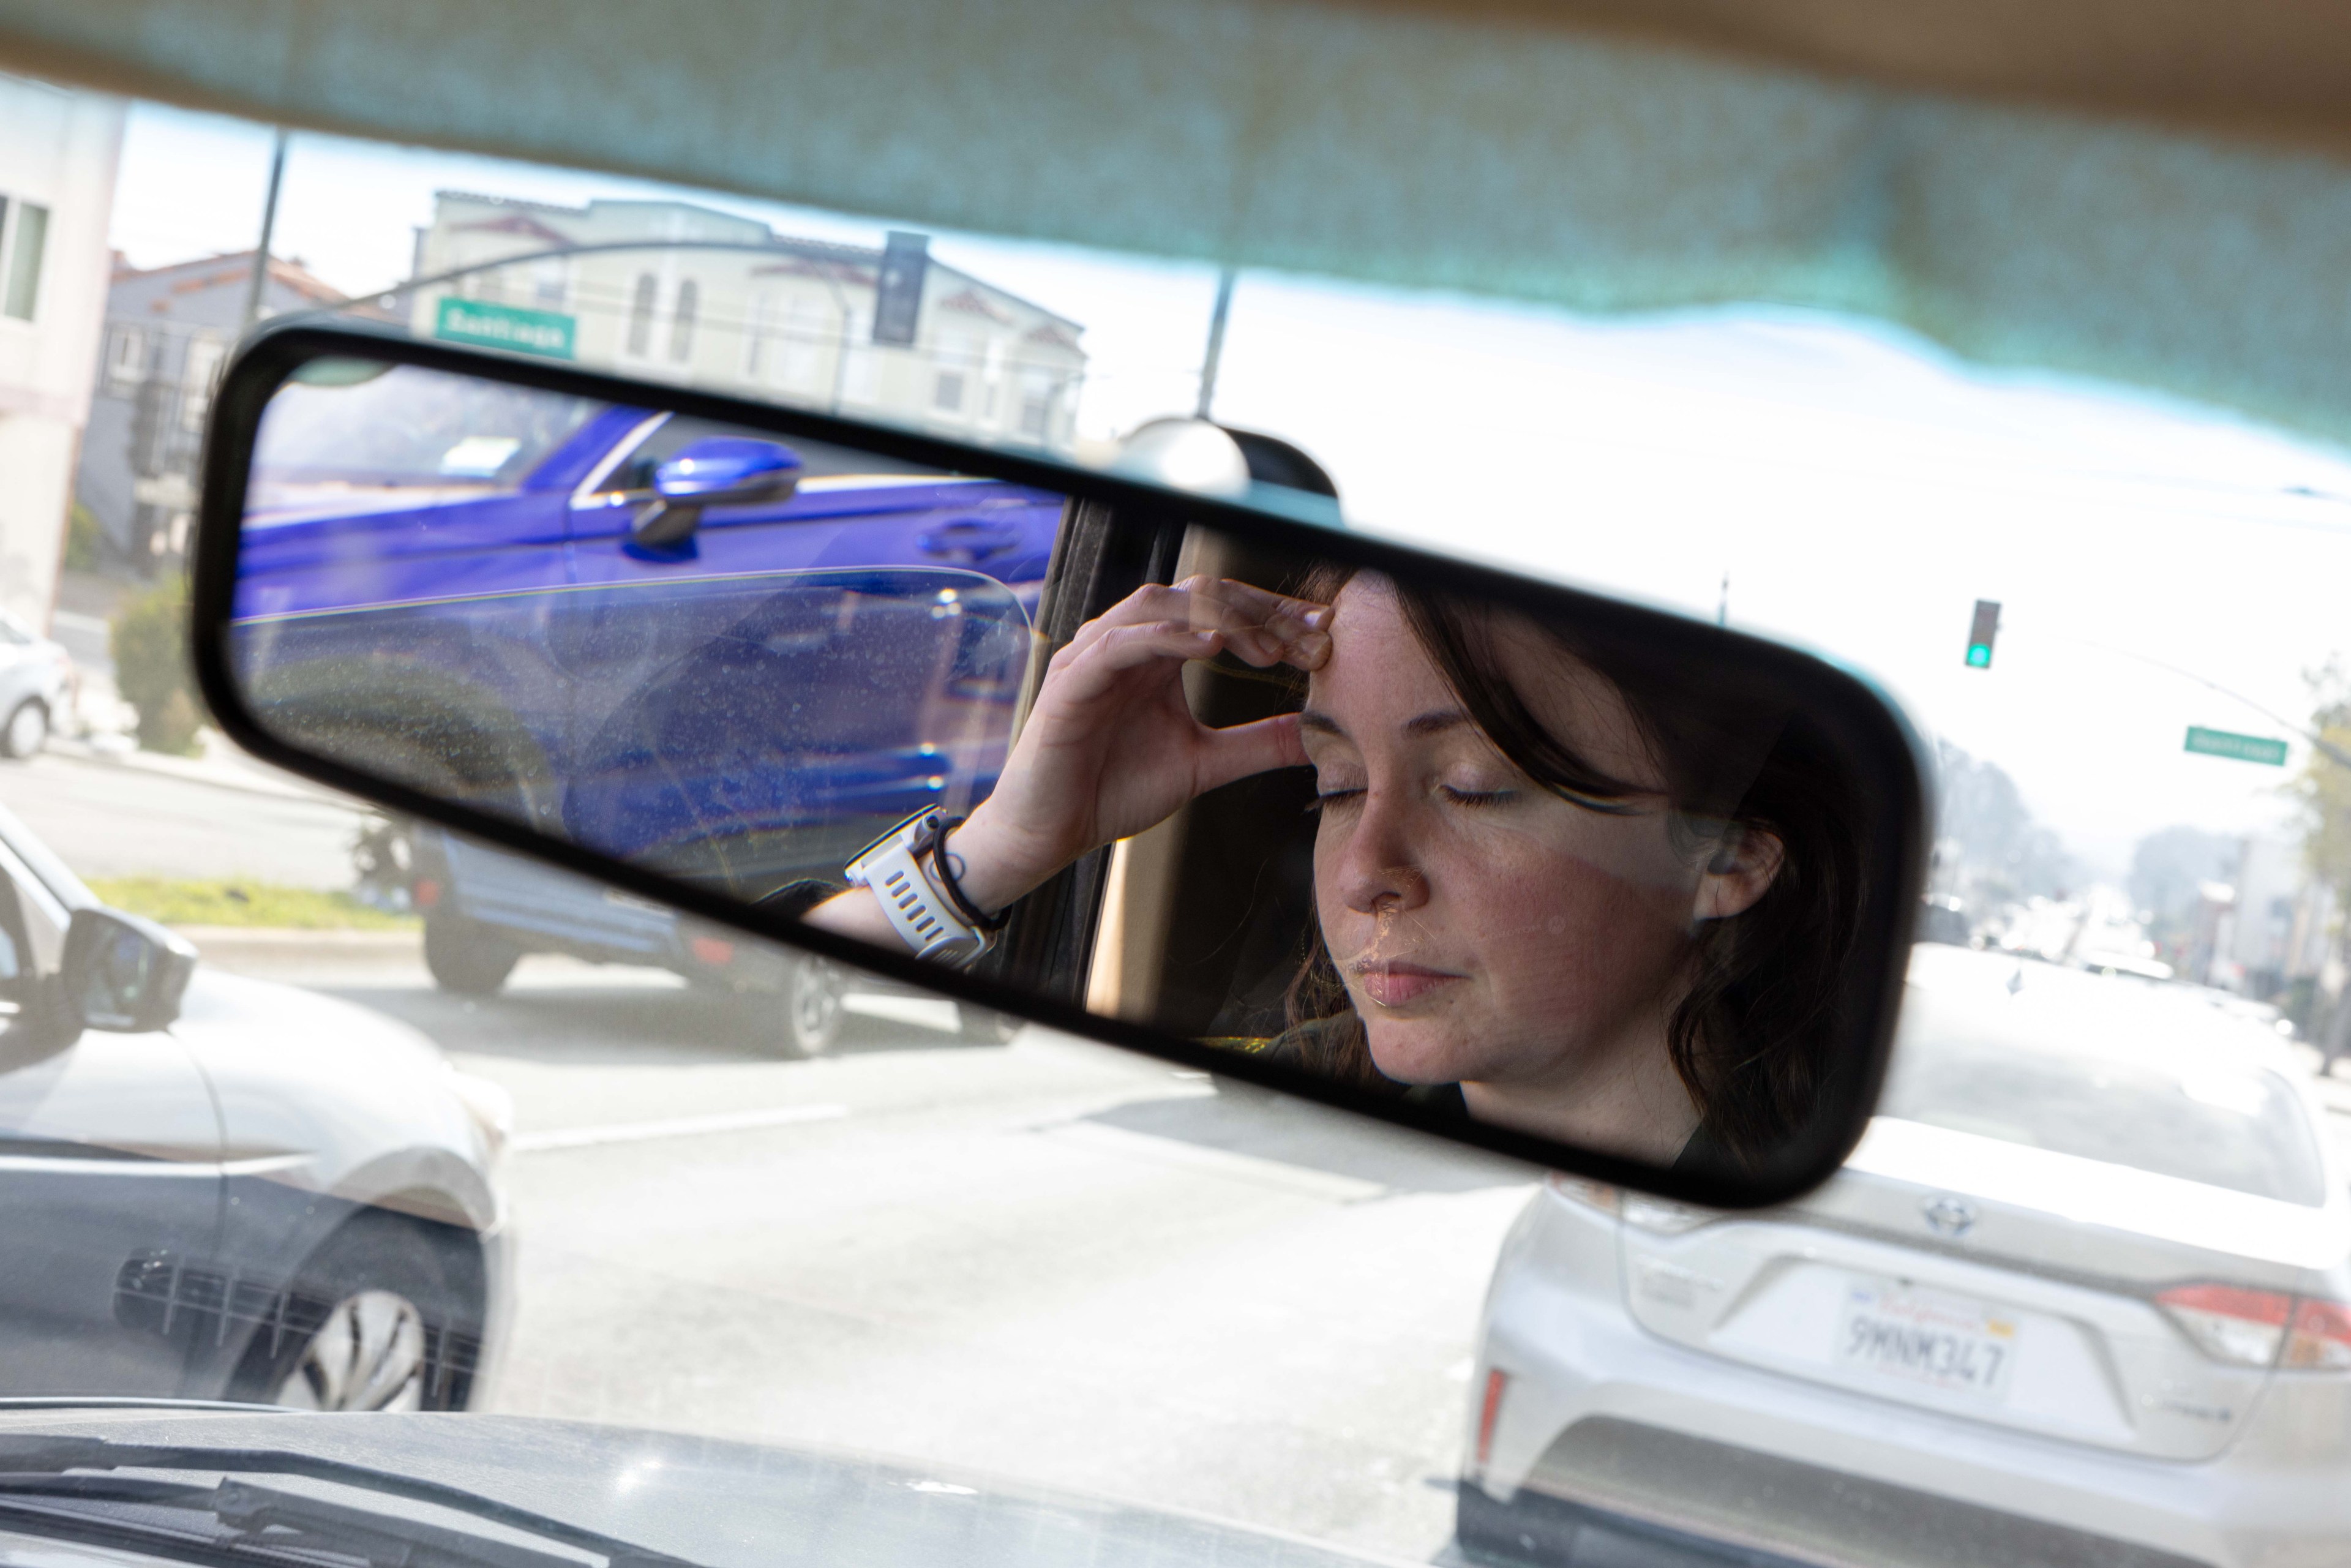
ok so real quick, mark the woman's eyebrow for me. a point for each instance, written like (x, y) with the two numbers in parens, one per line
(1434, 722)
(1437, 722)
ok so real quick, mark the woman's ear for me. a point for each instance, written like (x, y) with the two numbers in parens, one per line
(1738, 873)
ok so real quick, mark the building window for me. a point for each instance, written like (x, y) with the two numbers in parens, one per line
(1037, 397)
(547, 284)
(640, 316)
(198, 376)
(681, 324)
(27, 238)
(956, 357)
(126, 358)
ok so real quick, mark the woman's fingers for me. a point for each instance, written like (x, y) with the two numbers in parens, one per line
(1261, 627)
(1245, 749)
(1092, 670)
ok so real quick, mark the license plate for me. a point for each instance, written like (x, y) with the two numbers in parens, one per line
(1926, 1339)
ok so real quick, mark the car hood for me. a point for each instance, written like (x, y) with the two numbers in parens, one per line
(713, 1503)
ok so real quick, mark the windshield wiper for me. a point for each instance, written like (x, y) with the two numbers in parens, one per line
(237, 1524)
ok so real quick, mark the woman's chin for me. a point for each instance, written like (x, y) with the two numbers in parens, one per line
(1416, 1051)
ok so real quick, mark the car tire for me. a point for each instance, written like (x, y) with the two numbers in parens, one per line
(812, 1007)
(466, 957)
(985, 1026)
(27, 729)
(372, 1322)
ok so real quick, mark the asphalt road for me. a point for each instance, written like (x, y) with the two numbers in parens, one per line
(1045, 1260)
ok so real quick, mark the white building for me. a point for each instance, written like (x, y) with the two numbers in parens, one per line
(58, 156)
(726, 303)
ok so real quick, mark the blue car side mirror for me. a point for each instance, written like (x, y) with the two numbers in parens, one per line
(723, 471)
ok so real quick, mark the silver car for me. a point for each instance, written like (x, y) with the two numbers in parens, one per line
(2078, 1297)
(222, 1189)
(38, 685)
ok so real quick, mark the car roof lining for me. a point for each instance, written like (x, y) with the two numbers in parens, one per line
(2153, 194)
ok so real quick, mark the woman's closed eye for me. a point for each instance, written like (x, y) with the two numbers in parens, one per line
(1463, 797)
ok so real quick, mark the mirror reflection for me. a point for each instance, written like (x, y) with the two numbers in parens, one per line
(1575, 873)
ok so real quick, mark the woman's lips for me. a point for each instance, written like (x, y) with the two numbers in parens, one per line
(1393, 985)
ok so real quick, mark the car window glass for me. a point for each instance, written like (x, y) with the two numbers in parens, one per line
(430, 431)
(818, 459)
(2218, 1123)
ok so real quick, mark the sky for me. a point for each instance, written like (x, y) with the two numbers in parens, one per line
(1858, 487)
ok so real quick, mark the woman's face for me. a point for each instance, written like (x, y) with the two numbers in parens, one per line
(1487, 930)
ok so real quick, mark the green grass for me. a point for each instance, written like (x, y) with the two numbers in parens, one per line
(179, 902)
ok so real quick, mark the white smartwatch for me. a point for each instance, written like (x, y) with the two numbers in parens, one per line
(919, 894)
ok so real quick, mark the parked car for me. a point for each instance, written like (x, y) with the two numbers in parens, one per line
(37, 688)
(2078, 1292)
(484, 909)
(218, 1187)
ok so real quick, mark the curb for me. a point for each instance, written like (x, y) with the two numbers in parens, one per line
(230, 945)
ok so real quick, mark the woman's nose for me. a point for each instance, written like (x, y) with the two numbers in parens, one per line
(1376, 869)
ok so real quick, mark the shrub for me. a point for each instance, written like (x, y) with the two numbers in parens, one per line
(85, 540)
(150, 642)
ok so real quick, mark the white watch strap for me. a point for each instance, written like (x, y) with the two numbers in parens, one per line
(920, 913)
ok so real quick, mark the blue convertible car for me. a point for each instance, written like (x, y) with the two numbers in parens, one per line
(733, 658)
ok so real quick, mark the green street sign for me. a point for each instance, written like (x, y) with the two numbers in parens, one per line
(2243, 748)
(505, 327)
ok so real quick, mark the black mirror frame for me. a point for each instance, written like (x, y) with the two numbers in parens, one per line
(176, 963)
(1887, 749)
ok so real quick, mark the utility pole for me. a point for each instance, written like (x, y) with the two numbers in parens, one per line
(252, 289)
(1216, 340)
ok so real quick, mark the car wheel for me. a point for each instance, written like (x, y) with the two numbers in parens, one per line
(371, 1323)
(812, 1007)
(984, 1026)
(27, 729)
(466, 956)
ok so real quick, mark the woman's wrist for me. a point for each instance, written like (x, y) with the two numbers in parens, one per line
(992, 869)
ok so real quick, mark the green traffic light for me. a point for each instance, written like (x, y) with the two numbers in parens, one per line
(1979, 655)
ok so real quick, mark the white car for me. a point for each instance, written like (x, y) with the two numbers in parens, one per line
(2078, 1297)
(36, 687)
(221, 1188)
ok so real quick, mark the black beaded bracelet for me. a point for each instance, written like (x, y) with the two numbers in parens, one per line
(990, 924)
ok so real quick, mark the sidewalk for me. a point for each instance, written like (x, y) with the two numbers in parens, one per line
(223, 766)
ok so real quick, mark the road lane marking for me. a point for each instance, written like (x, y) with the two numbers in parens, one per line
(673, 1127)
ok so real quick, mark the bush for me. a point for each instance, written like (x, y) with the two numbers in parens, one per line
(85, 540)
(150, 642)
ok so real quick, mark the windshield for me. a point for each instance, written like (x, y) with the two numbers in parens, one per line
(695, 1242)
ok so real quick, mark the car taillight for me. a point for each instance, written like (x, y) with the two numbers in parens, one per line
(714, 951)
(1488, 1411)
(1659, 1215)
(427, 893)
(2230, 1323)
(2321, 1340)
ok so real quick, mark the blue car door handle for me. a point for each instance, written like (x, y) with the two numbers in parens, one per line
(969, 539)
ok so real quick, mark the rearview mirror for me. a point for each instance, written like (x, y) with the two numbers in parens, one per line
(1194, 771)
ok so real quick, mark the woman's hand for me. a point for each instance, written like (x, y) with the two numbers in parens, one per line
(1110, 747)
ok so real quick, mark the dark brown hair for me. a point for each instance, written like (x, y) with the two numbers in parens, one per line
(1752, 1037)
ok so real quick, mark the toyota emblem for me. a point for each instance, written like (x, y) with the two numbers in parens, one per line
(1948, 1217)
